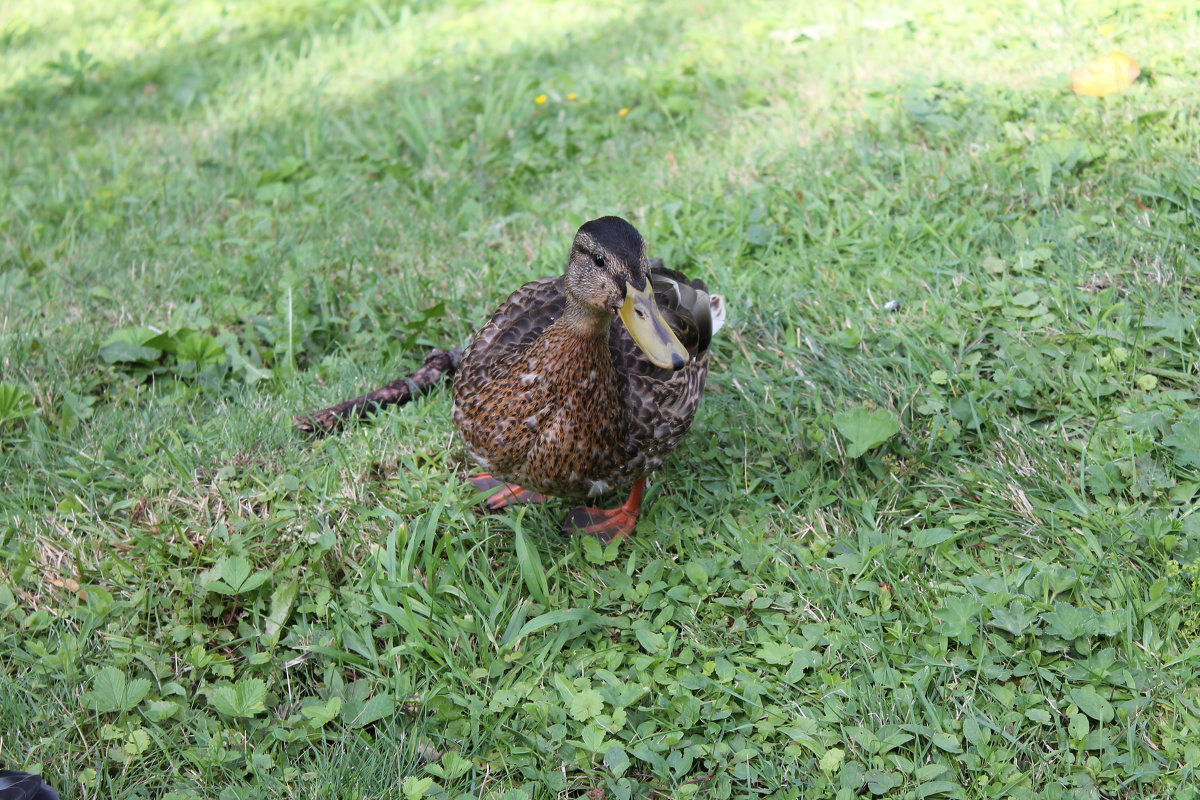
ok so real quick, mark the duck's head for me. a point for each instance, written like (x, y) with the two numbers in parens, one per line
(609, 274)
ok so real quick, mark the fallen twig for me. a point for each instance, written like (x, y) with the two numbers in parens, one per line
(437, 364)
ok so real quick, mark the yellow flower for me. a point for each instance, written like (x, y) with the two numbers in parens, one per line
(624, 112)
(572, 96)
(1106, 30)
(540, 99)
(1105, 75)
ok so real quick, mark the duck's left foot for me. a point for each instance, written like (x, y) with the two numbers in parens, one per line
(503, 494)
(611, 524)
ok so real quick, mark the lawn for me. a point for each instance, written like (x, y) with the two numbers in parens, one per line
(935, 530)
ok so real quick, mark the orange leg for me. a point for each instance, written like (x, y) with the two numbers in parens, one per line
(608, 525)
(503, 494)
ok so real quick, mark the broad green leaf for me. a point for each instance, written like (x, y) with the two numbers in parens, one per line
(1184, 441)
(451, 766)
(975, 733)
(121, 352)
(246, 698)
(880, 782)
(932, 788)
(158, 710)
(502, 699)
(321, 714)
(236, 577)
(831, 762)
(131, 345)
(1171, 328)
(759, 235)
(373, 710)
(931, 771)
(415, 788)
(696, 574)
(111, 691)
(929, 537)
(1015, 619)
(1091, 703)
(1039, 715)
(651, 641)
(565, 690)
(251, 373)
(802, 660)
(1112, 622)
(616, 760)
(15, 403)
(959, 616)
(593, 738)
(865, 429)
(1068, 621)
(593, 551)
(202, 349)
(235, 571)
(586, 704)
(137, 742)
(282, 600)
(288, 168)
(776, 653)
(947, 741)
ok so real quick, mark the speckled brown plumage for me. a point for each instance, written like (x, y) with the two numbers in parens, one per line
(558, 398)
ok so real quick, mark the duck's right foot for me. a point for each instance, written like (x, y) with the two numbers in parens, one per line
(503, 494)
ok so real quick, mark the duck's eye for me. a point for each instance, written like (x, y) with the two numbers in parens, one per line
(598, 259)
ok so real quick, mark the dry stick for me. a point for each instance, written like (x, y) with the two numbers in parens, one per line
(398, 392)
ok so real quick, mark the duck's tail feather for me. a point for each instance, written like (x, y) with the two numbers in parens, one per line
(692, 312)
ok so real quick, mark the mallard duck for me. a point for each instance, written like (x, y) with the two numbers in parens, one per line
(552, 398)
(17, 785)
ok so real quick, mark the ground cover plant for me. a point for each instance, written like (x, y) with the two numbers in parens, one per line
(934, 533)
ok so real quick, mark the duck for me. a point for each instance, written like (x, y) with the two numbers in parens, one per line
(17, 785)
(582, 384)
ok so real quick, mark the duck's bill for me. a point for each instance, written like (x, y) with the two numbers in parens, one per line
(650, 331)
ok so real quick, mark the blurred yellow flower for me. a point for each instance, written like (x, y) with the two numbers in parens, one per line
(572, 96)
(1106, 30)
(540, 99)
(1105, 75)
(624, 112)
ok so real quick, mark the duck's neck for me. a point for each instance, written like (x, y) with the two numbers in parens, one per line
(585, 321)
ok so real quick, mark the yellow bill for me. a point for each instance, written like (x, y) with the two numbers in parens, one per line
(650, 331)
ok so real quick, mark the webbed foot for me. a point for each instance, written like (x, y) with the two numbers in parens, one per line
(503, 494)
(608, 524)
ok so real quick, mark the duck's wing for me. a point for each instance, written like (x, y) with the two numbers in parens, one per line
(693, 314)
(660, 403)
(517, 323)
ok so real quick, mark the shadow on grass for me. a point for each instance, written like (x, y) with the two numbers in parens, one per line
(118, 87)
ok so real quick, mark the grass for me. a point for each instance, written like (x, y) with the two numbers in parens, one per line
(945, 548)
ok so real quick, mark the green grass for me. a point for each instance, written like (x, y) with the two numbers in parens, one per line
(997, 600)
